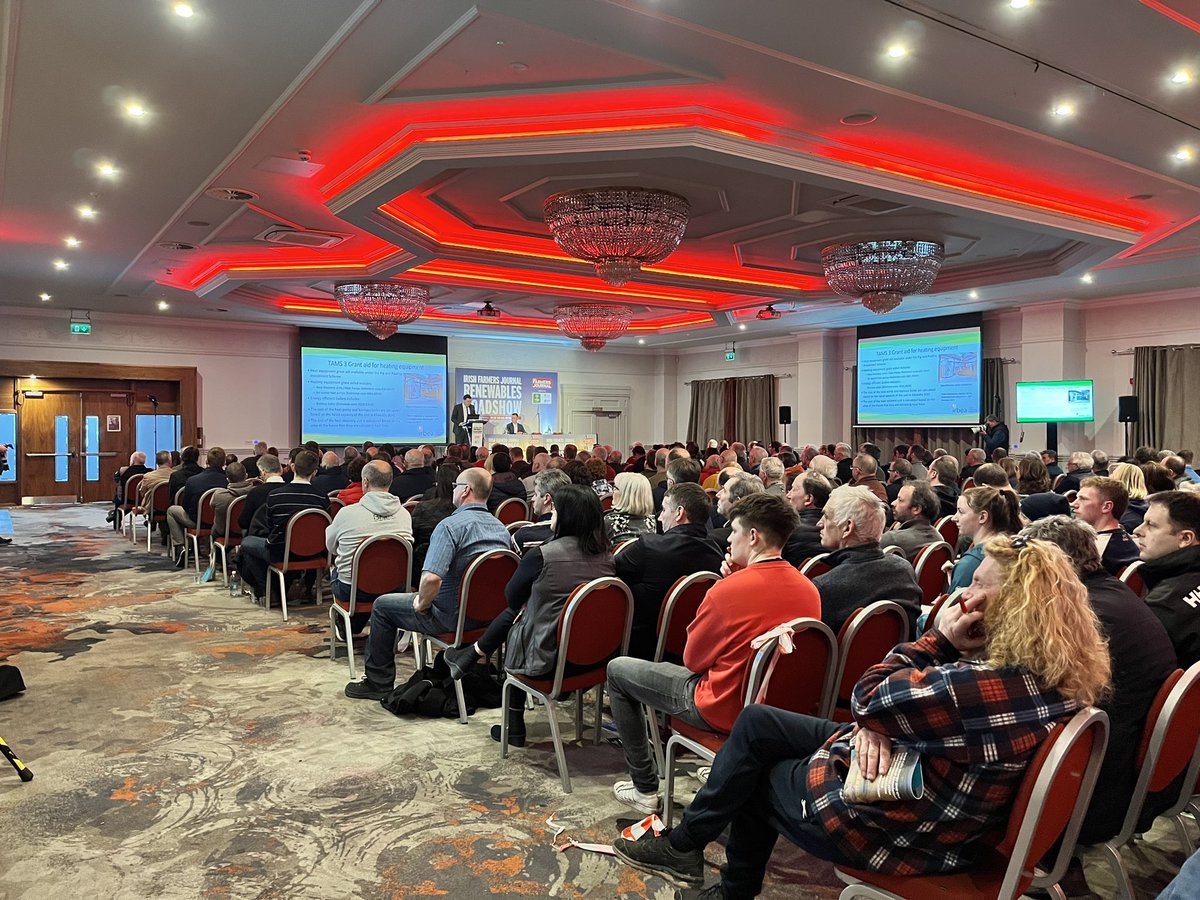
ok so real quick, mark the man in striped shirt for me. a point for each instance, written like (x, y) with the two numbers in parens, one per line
(281, 504)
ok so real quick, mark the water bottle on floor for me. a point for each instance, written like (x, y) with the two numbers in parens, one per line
(235, 583)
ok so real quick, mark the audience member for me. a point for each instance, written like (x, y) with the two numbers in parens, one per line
(916, 456)
(378, 512)
(706, 692)
(505, 485)
(137, 466)
(900, 474)
(1158, 478)
(1034, 482)
(1187, 456)
(916, 509)
(862, 573)
(189, 465)
(161, 474)
(632, 511)
(520, 467)
(770, 470)
(1142, 659)
(332, 476)
(1010, 469)
(1143, 455)
(680, 470)
(1135, 484)
(654, 562)
(1038, 658)
(430, 511)
(826, 466)
(239, 485)
(865, 473)
(736, 487)
(1079, 467)
(1100, 463)
(974, 459)
(540, 461)
(416, 479)
(182, 517)
(1050, 460)
(545, 483)
(1169, 540)
(943, 478)
(270, 470)
(808, 496)
(251, 462)
(991, 475)
(1100, 503)
(353, 491)
(597, 470)
(983, 513)
(843, 456)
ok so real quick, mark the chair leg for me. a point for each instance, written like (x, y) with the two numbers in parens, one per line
(462, 702)
(1124, 885)
(559, 751)
(669, 788)
(599, 713)
(579, 717)
(220, 550)
(504, 719)
(282, 593)
(1185, 839)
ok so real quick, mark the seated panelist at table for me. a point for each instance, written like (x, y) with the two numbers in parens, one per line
(515, 426)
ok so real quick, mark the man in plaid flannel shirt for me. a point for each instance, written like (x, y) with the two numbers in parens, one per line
(975, 727)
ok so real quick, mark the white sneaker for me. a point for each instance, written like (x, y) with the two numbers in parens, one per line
(627, 793)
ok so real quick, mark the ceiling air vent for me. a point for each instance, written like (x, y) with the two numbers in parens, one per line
(233, 195)
(872, 206)
(314, 240)
(175, 245)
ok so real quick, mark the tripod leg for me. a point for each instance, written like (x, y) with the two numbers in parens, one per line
(25, 774)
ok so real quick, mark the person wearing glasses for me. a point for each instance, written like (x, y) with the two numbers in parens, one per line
(977, 694)
(433, 608)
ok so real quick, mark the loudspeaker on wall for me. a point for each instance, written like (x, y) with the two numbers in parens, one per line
(785, 415)
(1127, 408)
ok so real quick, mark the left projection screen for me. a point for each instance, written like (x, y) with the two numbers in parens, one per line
(351, 396)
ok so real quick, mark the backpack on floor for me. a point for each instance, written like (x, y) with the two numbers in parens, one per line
(11, 682)
(429, 692)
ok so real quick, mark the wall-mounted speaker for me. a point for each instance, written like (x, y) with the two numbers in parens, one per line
(1127, 408)
(785, 415)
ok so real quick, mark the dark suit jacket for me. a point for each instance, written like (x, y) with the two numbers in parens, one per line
(651, 565)
(329, 480)
(197, 485)
(412, 483)
(255, 499)
(179, 476)
(509, 428)
(805, 542)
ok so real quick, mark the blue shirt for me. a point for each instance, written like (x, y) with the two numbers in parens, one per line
(467, 532)
(964, 569)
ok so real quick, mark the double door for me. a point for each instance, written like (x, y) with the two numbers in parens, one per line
(71, 443)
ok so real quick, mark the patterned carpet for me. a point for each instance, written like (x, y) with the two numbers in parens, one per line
(187, 743)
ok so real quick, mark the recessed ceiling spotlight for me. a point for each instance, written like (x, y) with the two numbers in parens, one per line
(184, 10)
(1181, 76)
(72, 242)
(1063, 110)
(897, 51)
(86, 212)
(859, 118)
(742, 326)
(974, 295)
(61, 265)
(1140, 197)
(1184, 154)
(43, 296)
(641, 340)
(1086, 278)
(106, 170)
(135, 110)
(163, 304)
(1018, 4)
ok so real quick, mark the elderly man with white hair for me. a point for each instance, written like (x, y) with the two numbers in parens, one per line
(1079, 467)
(332, 475)
(137, 466)
(771, 471)
(862, 573)
(975, 458)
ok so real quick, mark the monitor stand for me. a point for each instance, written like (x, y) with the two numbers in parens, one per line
(1052, 437)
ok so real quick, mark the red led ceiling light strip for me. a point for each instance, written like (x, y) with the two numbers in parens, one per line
(1182, 18)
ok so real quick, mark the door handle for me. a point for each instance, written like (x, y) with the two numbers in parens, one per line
(32, 455)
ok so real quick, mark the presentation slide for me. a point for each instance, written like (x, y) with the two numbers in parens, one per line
(925, 378)
(1055, 401)
(350, 396)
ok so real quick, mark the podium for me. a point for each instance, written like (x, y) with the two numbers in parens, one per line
(475, 429)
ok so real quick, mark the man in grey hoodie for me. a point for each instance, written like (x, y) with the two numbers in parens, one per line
(379, 512)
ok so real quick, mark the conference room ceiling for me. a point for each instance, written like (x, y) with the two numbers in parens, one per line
(1055, 154)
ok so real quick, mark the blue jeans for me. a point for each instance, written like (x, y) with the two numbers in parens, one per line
(634, 683)
(341, 591)
(390, 614)
(1186, 884)
(758, 787)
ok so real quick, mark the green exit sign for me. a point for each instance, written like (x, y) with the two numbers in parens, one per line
(730, 355)
(81, 328)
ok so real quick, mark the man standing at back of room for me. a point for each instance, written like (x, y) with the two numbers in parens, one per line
(433, 609)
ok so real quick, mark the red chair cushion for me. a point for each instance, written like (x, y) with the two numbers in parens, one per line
(569, 684)
(714, 741)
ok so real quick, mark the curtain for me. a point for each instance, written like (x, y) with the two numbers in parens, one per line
(1166, 381)
(706, 418)
(994, 388)
(955, 441)
(733, 409)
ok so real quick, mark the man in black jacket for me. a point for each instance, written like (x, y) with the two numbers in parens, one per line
(654, 562)
(189, 465)
(862, 573)
(995, 435)
(182, 517)
(416, 478)
(332, 474)
(271, 471)
(809, 493)
(1169, 538)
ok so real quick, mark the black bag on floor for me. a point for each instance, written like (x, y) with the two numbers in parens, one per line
(429, 692)
(11, 682)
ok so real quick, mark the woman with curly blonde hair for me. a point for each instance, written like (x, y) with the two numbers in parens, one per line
(974, 698)
(1135, 482)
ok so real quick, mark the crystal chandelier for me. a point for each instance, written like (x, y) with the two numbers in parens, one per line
(881, 273)
(383, 306)
(592, 324)
(618, 229)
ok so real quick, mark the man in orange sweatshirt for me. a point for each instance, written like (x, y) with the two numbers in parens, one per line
(762, 591)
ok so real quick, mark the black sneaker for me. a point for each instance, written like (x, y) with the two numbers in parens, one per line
(366, 690)
(712, 892)
(179, 557)
(656, 856)
(460, 660)
(4, 540)
(339, 629)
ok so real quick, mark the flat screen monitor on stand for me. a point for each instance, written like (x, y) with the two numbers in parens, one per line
(1053, 402)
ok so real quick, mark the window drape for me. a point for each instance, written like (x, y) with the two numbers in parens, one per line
(994, 389)
(1166, 381)
(733, 409)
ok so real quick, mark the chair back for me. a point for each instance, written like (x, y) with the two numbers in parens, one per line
(893, 550)
(514, 527)
(514, 509)
(381, 564)
(233, 528)
(305, 535)
(1170, 744)
(178, 499)
(936, 609)
(1133, 578)
(1058, 480)
(622, 545)
(968, 483)
(410, 505)
(335, 507)
(594, 626)
(930, 574)
(676, 614)
(159, 501)
(606, 502)
(815, 565)
(1052, 799)
(800, 681)
(481, 590)
(204, 512)
(948, 529)
(866, 638)
(129, 498)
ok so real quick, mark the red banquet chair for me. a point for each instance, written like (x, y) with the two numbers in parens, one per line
(303, 549)
(866, 638)
(128, 501)
(799, 681)
(1133, 578)
(514, 509)
(202, 529)
(948, 529)
(930, 569)
(815, 565)
(381, 564)
(480, 599)
(222, 544)
(591, 631)
(155, 512)
(1050, 804)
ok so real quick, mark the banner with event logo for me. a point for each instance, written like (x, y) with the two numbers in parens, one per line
(500, 393)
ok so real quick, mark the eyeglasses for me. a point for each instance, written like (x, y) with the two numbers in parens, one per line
(459, 484)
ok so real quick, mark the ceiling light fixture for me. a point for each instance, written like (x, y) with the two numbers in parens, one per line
(1184, 154)
(1086, 278)
(592, 324)
(641, 340)
(1018, 4)
(881, 273)
(1181, 76)
(897, 51)
(382, 306)
(488, 311)
(617, 229)
(86, 212)
(164, 305)
(973, 295)
(742, 326)
(768, 312)
(43, 297)
(135, 110)
(72, 242)
(106, 170)
(61, 265)
(1063, 110)
(184, 10)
